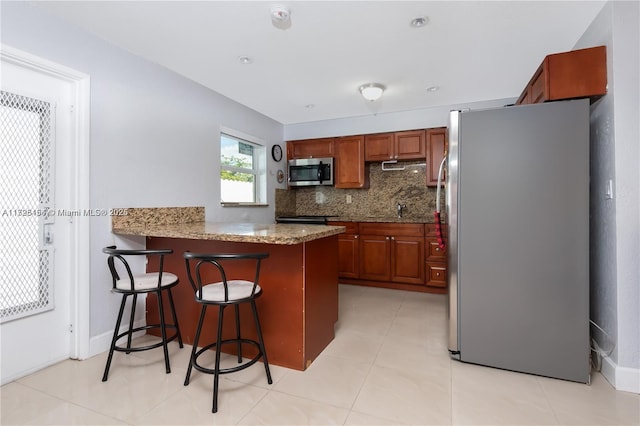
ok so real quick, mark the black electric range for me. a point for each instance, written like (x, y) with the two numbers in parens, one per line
(303, 220)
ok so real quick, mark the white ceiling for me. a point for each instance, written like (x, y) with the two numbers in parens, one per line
(472, 50)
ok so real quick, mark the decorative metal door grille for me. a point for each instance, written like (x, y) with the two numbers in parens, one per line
(26, 196)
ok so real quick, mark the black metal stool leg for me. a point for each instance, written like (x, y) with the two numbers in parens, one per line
(163, 332)
(175, 318)
(216, 373)
(261, 342)
(115, 337)
(133, 314)
(239, 344)
(192, 359)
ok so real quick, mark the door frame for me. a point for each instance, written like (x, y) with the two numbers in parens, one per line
(80, 274)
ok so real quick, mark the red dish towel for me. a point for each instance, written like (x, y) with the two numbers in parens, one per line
(441, 243)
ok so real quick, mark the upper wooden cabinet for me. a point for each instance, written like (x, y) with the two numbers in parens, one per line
(378, 147)
(436, 147)
(349, 162)
(568, 75)
(408, 145)
(310, 148)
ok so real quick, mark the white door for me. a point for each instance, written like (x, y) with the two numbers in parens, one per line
(36, 188)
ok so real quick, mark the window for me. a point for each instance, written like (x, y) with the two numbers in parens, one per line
(242, 169)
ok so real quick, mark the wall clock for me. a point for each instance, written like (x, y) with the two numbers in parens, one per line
(276, 152)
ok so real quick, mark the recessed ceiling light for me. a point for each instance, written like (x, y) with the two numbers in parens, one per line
(419, 22)
(433, 88)
(244, 60)
(309, 106)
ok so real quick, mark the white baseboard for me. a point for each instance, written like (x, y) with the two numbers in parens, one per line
(102, 342)
(622, 378)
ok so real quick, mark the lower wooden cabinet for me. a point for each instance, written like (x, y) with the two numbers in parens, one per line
(348, 250)
(392, 255)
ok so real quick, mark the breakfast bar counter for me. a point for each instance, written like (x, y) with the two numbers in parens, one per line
(299, 305)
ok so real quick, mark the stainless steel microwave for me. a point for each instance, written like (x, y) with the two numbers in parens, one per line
(311, 171)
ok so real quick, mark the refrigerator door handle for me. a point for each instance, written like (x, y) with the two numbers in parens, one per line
(451, 197)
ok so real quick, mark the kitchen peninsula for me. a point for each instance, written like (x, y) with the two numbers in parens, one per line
(299, 305)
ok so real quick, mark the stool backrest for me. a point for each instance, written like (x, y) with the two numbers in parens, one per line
(197, 263)
(116, 261)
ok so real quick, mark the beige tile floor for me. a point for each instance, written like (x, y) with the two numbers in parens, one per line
(388, 365)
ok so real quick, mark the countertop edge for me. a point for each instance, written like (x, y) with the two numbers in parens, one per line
(278, 236)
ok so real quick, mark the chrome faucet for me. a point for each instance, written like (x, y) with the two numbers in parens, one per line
(400, 208)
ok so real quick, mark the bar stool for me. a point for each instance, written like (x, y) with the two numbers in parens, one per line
(133, 285)
(224, 293)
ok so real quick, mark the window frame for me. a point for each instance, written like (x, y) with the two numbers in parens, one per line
(259, 169)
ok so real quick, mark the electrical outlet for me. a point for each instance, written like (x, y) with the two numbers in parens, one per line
(349, 200)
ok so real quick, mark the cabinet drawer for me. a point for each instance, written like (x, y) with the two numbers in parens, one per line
(436, 274)
(434, 252)
(392, 229)
(352, 227)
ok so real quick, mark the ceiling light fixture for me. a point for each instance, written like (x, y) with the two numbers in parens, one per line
(433, 88)
(244, 60)
(419, 22)
(371, 91)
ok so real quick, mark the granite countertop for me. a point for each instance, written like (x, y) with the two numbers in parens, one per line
(239, 232)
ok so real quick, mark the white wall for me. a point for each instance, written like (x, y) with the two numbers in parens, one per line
(615, 224)
(154, 135)
(378, 123)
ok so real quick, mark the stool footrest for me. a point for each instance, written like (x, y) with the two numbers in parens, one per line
(144, 348)
(231, 369)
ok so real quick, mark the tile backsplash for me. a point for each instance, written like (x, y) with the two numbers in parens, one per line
(386, 189)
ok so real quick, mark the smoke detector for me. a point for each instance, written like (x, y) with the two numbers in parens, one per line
(280, 13)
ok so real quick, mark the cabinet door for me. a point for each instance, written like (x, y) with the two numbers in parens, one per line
(436, 147)
(310, 148)
(348, 258)
(378, 147)
(374, 258)
(410, 145)
(349, 162)
(407, 260)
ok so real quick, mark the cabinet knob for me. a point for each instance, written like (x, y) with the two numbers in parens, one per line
(437, 248)
(437, 274)
(393, 238)
(356, 237)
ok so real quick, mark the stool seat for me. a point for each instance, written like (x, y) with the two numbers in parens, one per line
(238, 290)
(146, 282)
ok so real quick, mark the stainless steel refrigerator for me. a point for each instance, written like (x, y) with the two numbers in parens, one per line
(517, 195)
